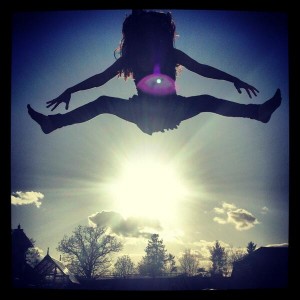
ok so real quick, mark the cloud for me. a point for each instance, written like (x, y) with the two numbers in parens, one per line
(220, 220)
(278, 245)
(239, 217)
(37, 250)
(242, 219)
(219, 210)
(228, 206)
(25, 198)
(40, 251)
(264, 210)
(202, 250)
(130, 227)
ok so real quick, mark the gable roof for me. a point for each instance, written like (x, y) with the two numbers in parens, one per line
(48, 263)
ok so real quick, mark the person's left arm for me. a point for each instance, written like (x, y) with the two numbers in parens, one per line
(211, 72)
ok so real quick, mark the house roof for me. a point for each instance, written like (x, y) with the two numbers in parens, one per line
(264, 260)
(266, 254)
(48, 263)
(20, 239)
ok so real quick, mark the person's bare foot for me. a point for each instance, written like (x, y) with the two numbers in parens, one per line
(266, 109)
(42, 120)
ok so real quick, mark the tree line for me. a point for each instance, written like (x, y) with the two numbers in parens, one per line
(87, 254)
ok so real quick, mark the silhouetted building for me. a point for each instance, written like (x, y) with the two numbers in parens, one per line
(266, 267)
(21, 271)
(53, 273)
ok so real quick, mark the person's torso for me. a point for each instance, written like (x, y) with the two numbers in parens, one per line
(147, 64)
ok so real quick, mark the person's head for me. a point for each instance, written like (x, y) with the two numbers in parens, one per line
(146, 33)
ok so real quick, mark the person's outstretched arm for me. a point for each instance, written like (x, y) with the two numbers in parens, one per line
(211, 72)
(94, 81)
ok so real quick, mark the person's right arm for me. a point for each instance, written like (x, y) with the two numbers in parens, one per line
(92, 82)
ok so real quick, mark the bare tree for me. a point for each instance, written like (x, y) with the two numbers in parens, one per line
(123, 267)
(189, 263)
(33, 256)
(170, 264)
(235, 254)
(87, 251)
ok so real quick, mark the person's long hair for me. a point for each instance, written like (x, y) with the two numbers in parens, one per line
(146, 33)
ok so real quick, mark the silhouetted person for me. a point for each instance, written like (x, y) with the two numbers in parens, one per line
(147, 54)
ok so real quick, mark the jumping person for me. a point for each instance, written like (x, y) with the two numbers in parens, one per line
(147, 54)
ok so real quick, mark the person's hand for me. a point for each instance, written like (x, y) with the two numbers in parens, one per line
(64, 97)
(238, 84)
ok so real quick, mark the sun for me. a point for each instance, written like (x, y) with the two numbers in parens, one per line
(149, 188)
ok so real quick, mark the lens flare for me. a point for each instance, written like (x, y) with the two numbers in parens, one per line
(157, 84)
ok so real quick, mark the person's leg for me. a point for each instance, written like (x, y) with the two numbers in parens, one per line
(104, 104)
(207, 103)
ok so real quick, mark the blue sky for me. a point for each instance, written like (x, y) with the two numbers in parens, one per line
(235, 171)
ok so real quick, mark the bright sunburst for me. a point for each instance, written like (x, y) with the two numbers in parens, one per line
(148, 187)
